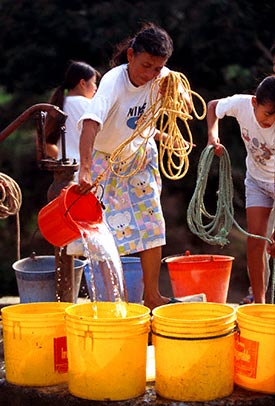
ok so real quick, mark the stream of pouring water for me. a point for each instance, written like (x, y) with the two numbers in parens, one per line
(105, 266)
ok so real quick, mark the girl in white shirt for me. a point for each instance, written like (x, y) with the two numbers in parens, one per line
(256, 118)
(73, 97)
(133, 208)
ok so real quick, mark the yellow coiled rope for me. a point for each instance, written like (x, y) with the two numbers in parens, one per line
(164, 114)
(10, 202)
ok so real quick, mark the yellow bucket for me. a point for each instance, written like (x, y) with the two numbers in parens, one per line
(194, 350)
(255, 348)
(106, 352)
(35, 348)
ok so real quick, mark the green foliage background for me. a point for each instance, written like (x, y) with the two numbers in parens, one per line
(221, 45)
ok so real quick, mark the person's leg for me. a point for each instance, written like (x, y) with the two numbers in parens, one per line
(151, 262)
(257, 219)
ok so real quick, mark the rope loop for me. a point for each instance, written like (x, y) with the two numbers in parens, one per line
(171, 100)
(10, 202)
(10, 196)
(216, 230)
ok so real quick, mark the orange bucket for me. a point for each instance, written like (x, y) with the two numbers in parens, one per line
(194, 274)
(58, 219)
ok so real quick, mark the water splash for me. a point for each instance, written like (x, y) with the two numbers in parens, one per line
(105, 271)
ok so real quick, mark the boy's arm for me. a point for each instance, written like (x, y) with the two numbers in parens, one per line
(213, 126)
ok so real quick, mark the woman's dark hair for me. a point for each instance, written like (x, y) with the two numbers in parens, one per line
(151, 39)
(76, 71)
(265, 92)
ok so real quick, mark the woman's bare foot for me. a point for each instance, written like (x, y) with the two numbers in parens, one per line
(159, 301)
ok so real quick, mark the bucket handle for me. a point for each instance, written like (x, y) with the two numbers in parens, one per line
(81, 195)
(187, 253)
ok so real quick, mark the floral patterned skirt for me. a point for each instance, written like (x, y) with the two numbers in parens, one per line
(132, 204)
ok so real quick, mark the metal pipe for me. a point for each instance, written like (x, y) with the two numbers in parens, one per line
(63, 175)
(54, 111)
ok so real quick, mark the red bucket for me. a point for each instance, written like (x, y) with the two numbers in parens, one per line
(194, 274)
(58, 219)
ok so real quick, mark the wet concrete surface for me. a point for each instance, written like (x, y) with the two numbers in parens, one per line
(15, 395)
(12, 395)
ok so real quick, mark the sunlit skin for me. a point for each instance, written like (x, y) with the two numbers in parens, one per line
(257, 217)
(86, 88)
(264, 113)
(271, 247)
(143, 67)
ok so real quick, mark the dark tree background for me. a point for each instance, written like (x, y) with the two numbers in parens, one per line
(222, 46)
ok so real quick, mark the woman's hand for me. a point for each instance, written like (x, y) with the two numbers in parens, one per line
(84, 181)
(163, 86)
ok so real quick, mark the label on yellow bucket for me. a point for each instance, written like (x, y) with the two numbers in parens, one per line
(246, 357)
(60, 355)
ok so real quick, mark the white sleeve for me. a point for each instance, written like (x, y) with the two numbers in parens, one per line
(100, 104)
(229, 106)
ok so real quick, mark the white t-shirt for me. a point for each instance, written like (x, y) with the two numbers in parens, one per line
(259, 142)
(116, 106)
(74, 106)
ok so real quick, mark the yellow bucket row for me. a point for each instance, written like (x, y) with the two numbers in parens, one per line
(201, 349)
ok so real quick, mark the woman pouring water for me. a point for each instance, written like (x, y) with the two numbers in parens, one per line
(133, 208)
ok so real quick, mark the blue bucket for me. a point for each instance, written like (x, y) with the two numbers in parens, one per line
(35, 278)
(133, 276)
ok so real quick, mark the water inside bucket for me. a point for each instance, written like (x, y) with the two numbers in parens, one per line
(103, 257)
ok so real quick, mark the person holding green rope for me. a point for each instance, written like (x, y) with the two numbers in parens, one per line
(256, 117)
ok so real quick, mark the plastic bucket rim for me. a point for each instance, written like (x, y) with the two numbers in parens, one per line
(194, 305)
(130, 259)
(106, 319)
(16, 269)
(203, 257)
(217, 327)
(251, 318)
(19, 308)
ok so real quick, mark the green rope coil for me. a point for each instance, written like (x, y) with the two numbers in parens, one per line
(216, 230)
(219, 225)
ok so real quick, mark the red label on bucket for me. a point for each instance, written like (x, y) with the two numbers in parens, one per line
(246, 357)
(60, 355)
